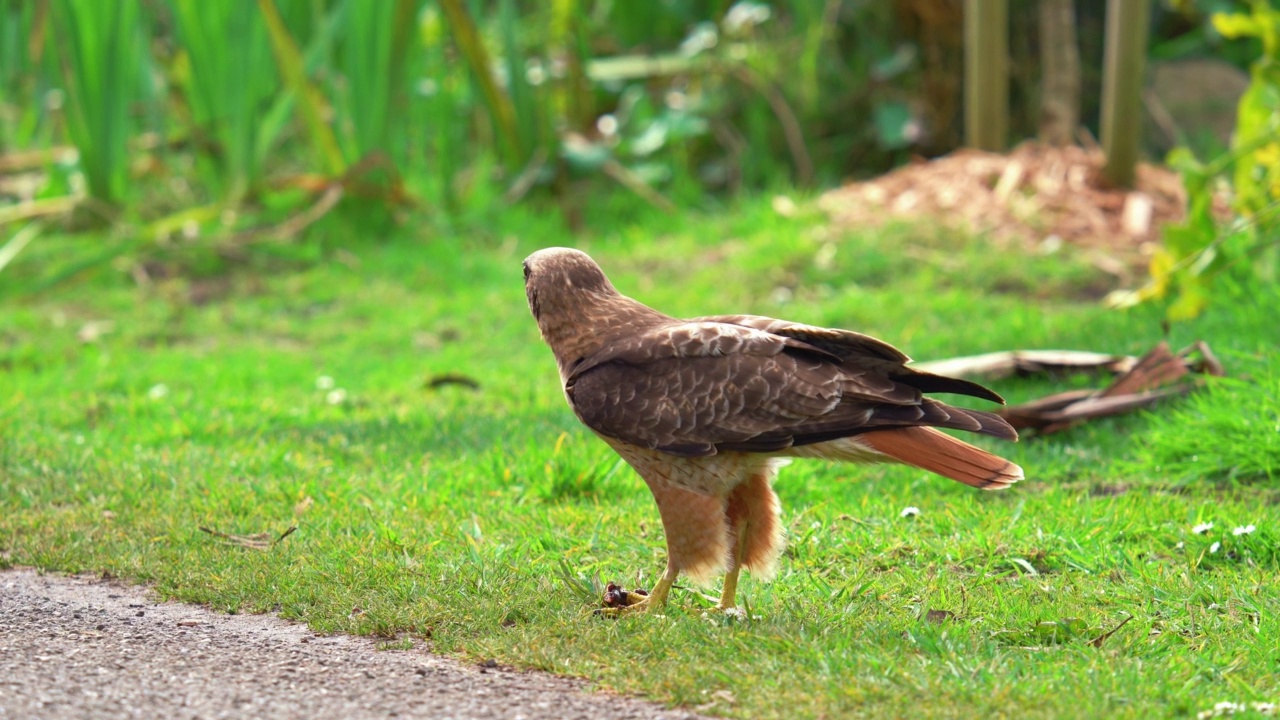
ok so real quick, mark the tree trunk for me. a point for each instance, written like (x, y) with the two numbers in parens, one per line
(986, 73)
(1124, 64)
(1060, 60)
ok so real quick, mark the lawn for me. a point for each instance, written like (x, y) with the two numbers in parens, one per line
(310, 386)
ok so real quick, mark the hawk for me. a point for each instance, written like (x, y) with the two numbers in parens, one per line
(706, 410)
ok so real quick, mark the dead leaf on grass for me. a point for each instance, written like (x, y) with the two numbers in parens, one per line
(262, 541)
(937, 617)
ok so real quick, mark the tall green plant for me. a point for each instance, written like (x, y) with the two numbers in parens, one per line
(101, 48)
(19, 26)
(230, 82)
(294, 67)
(466, 35)
(372, 58)
(440, 120)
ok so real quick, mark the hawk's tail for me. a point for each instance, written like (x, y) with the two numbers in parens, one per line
(938, 452)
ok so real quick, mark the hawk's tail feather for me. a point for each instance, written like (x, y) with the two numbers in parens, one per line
(939, 414)
(940, 453)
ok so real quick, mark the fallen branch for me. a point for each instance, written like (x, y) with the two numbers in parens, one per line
(997, 365)
(1157, 375)
(1140, 382)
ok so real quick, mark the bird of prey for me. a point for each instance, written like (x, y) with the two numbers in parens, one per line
(706, 410)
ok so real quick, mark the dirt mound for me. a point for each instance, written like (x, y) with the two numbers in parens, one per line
(1033, 194)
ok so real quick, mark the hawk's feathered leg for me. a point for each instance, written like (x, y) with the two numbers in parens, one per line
(755, 531)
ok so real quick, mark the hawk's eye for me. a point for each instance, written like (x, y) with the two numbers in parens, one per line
(526, 271)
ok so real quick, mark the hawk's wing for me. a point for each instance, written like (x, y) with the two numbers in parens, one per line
(697, 387)
(862, 351)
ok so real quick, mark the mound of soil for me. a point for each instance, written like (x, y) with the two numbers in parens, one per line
(1035, 194)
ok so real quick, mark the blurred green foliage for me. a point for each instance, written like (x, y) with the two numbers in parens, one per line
(173, 105)
(1232, 224)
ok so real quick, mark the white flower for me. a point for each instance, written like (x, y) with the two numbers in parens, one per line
(607, 124)
(1215, 547)
(336, 397)
(324, 382)
(1202, 528)
(909, 511)
(736, 613)
(1218, 710)
(1243, 530)
(745, 15)
(1180, 545)
(158, 391)
(703, 37)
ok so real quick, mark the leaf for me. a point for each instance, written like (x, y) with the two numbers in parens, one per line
(937, 617)
(1193, 298)
(891, 120)
(1028, 567)
(310, 102)
(1237, 25)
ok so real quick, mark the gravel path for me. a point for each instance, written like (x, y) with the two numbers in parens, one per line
(72, 647)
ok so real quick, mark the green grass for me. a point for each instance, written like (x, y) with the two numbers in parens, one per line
(477, 520)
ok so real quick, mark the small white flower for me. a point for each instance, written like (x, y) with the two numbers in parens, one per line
(158, 391)
(607, 124)
(336, 397)
(1243, 530)
(1220, 709)
(1215, 547)
(909, 511)
(1202, 528)
(1180, 545)
(534, 72)
(704, 37)
(1265, 708)
(736, 613)
(324, 382)
(815, 525)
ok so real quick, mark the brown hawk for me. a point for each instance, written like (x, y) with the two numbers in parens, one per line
(706, 411)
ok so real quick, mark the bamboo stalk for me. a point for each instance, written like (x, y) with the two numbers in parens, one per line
(1060, 59)
(1124, 64)
(986, 73)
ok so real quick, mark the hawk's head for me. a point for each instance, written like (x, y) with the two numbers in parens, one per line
(562, 280)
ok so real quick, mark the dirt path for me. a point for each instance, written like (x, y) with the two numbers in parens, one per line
(72, 647)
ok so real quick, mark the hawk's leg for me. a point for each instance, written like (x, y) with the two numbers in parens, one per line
(755, 534)
(696, 534)
(740, 530)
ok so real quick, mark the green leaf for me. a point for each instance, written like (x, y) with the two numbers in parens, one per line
(310, 103)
